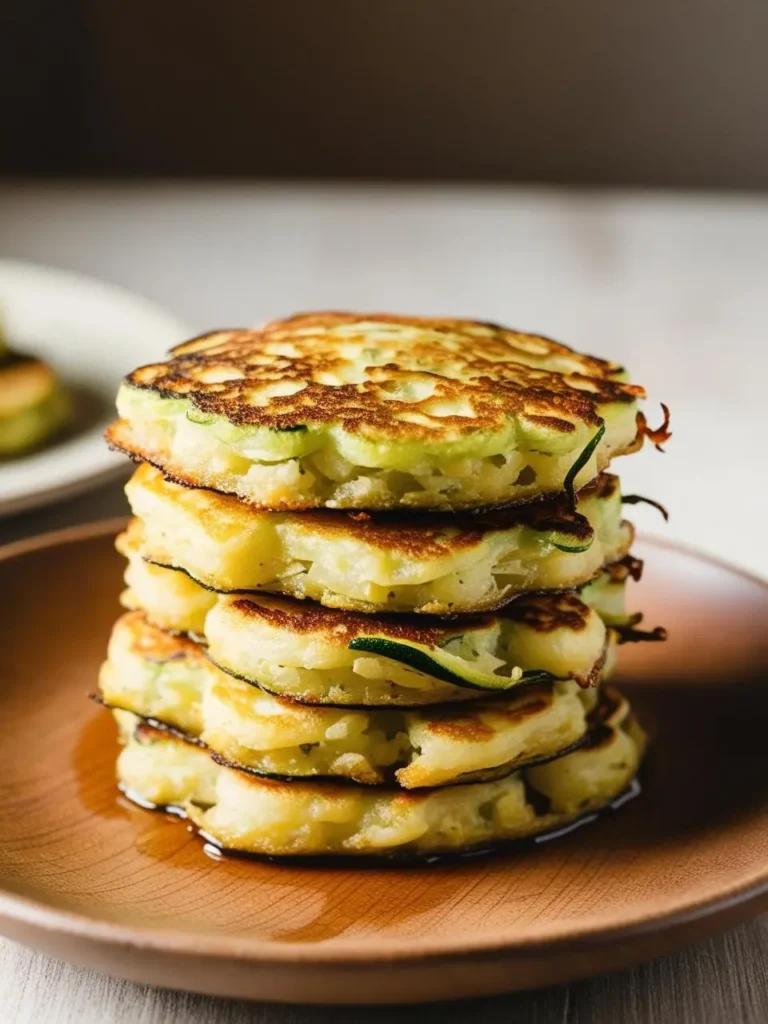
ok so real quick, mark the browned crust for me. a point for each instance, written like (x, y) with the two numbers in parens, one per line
(543, 613)
(148, 730)
(603, 486)
(466, 361)
(151, 643)
(464, 723)
(612, 708)
(547, 612)
(524, 340)
(626, 568)
(612, 713)
(592, 678)
(305, 618)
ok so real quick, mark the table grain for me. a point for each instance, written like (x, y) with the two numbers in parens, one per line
(674, 285)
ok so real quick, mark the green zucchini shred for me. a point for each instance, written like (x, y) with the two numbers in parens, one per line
(420, 660)
(580, 462)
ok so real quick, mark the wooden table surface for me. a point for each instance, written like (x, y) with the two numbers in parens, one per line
(675, 286)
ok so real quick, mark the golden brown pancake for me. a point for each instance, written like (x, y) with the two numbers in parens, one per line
(170, 680)
(373, 563)
(376, 411)
(237, 810)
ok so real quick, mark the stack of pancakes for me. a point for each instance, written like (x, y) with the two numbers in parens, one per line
(375, 583)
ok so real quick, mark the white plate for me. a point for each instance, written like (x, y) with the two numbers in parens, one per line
(92, 334)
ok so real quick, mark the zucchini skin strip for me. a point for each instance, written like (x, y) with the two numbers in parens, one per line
(422, 662)
(581, 461)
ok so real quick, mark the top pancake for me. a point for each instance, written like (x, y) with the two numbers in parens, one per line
(377, 411)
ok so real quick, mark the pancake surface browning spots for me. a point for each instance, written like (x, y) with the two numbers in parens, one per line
(543, 613)
(547, 613)
(381, 376)
(156, 644)
(342, 626)
(467, 725)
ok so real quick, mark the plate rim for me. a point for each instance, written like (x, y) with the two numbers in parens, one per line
(102, 470)
(41, 916)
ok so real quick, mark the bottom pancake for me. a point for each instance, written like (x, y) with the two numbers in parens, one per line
(239, 811)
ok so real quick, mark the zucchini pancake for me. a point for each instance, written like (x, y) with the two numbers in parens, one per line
(34, 404)
(238, 810)
(169, 680)
(320, 656)
(335, 410)
(375, 563)
(375, 587)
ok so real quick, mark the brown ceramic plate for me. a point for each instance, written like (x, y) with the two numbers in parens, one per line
(94, 880)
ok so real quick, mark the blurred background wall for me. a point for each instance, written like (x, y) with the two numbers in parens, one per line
(662, 92)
